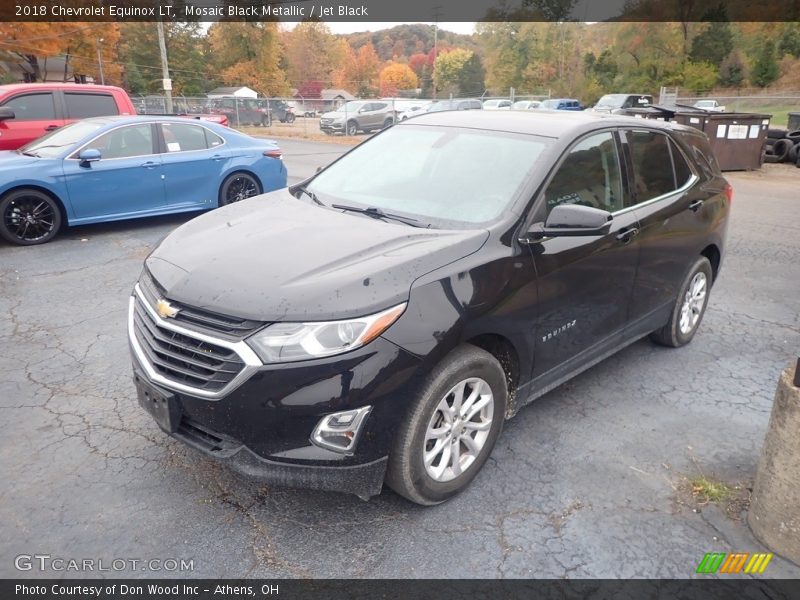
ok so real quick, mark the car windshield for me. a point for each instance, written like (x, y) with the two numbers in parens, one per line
(443, 176)
(56, 142)
(612, 100)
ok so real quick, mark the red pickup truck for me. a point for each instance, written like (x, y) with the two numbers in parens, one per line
(30, 110)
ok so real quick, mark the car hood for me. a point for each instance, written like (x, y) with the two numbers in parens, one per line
(335, 114)
(276, 258)
(11, 159)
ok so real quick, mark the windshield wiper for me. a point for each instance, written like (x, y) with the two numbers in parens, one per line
(311, 195)
(377, 213)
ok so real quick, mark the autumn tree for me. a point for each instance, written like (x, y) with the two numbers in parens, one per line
(311, 53)
(396, 77)
(766, 69)
(359, 71)
(459, 72)
(249, 53)
(732, 71)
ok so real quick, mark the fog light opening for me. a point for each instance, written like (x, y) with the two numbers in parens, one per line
(339, 431)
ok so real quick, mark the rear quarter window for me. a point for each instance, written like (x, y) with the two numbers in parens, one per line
(84, 106)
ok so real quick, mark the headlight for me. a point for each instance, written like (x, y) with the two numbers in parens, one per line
(287, 342)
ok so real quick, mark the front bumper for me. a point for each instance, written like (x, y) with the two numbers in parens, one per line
(262, 426)
(335, 126)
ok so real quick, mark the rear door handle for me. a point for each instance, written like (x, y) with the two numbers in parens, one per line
(51, 127)
(626, 235)
(217, 157)
(150, 164)
(695, 206)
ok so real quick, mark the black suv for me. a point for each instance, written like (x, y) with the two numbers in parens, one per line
(380, 321)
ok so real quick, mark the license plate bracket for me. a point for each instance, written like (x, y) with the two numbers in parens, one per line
(161, 405)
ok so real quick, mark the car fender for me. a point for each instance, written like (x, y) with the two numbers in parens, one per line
(50, 183)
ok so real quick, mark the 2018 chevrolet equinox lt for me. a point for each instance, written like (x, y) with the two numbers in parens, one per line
(379, 321)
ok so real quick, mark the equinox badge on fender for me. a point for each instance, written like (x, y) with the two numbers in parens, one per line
(555, 332)
(165, 310)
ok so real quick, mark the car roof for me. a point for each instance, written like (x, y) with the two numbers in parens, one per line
(553, 124)
(45, 86)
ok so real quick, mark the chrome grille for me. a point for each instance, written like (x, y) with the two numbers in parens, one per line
(196, 318)
(181, 358)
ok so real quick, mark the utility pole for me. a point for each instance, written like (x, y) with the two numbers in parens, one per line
(437, 12)
(167, 83)
(99, 62)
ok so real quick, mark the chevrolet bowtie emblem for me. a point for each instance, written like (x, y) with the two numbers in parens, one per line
(165, 310)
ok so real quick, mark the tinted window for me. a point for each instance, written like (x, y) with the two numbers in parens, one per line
(652, 163)
(589, 176)
(83, 106)
(212, 139)
(379, 106)
(458, 177)
(682, 170)
(184, 138)
(133, 140)
(32, 107)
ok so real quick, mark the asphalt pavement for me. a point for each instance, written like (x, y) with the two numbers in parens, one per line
(592, 480)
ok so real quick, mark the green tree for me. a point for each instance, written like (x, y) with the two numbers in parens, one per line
(732, 71)
(789, 42)
(715, 42)
(766, 69)
(699, 77)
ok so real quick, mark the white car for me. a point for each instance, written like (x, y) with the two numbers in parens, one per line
(497, 104)
(709, 105)
(526, 105)
(414, 111)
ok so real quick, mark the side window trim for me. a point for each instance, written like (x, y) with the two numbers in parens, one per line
(629, 162)
(162, 142)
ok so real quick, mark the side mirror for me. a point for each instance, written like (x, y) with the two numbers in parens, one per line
(571, 220)
(88, 156)
(6, 113)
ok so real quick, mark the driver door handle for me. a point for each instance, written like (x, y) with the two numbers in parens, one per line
(51, 128)
(626, 235)
(150, 164)
(695, 206)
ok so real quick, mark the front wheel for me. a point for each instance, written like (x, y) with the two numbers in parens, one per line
(290, 117)
(388, 123)
(237, 187)
(690, 306)
(29, 217)
(352, 128)
(450, 429)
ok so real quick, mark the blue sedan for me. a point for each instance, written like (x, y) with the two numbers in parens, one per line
(113, 168)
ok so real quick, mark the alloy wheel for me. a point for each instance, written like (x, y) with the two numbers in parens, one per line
(239, 188)
(693, 302)
(30, 218)
(458, 429)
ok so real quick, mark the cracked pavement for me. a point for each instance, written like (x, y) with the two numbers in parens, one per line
(582, 483)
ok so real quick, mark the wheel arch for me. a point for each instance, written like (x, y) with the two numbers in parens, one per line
(714, 256)
(62, 207)
(505, 352)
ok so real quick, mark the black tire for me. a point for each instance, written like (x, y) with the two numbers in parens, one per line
(388, 123)
(776, 134)
(794, 136)
(289, 118)
(793, 152)
(406, 472)
(672, 333)
(781, 149)
(771, 158)
(29, 217)
(238, 186)
(352, 128)
(266, 122)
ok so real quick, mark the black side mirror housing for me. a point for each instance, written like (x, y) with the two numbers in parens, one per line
(571, 220)
(6, 113)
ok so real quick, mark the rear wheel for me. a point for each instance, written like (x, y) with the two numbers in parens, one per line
(450, 429)
(690, 306)
(237, 187)
(29, 217)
